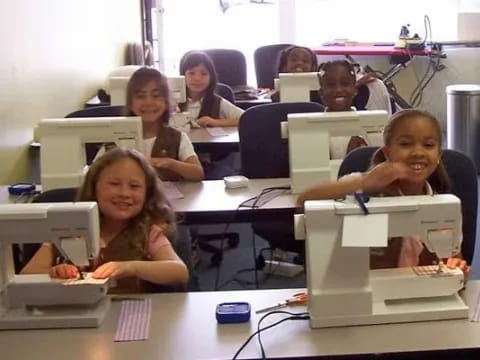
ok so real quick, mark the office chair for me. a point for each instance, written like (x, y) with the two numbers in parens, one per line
(226, 92)
(265, 59)
(463, 177)
(97, 111)
(231, 66)
(264, 154)
(215, 170)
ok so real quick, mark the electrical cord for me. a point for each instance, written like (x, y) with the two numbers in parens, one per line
(245, 283)
(292, 316)
(434, 66)
(255, 200)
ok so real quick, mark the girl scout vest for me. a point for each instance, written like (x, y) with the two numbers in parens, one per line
(167, 144)
(130, 244)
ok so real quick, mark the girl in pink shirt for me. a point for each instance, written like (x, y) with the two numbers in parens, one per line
(136, 222)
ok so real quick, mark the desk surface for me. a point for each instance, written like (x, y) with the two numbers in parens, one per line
(203, 141)
(201, 135)
(183, 327)
(368, 50)
(209, 201)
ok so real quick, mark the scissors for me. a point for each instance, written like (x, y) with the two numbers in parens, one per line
(296, 299)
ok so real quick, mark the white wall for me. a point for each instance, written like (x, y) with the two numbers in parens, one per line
(55, 54)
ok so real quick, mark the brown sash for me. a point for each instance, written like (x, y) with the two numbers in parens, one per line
(167, 144)
(130, 244)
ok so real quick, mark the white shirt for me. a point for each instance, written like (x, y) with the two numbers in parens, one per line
(227, 109)
(379, 98)
(185, 148)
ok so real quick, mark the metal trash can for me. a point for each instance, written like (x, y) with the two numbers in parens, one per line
(463, 120)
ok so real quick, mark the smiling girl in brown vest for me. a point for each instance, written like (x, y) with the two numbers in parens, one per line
(170, 151)
(136, 226)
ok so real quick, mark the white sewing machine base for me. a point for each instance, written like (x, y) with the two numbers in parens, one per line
(398, 311)
(393, 285)
(48, 317)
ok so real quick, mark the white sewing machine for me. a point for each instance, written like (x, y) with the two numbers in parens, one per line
(344, 291)
(177, 88)
(62, 159)
(38, 301)
(309, 141)
(296, 86)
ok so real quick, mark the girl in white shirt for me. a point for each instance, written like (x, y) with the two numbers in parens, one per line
(203, 105)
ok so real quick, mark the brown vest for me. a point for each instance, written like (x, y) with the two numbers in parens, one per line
(130, 244)
(167, 144)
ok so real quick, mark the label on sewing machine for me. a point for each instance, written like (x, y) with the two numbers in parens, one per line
(87, 280)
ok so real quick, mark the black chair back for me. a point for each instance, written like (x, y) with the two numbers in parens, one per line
(226, 92)
(231, 66)
(266, 61)
(98, 111)
(264, 154)
(463, 177)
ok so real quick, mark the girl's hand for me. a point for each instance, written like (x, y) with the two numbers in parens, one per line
(355, 142)
(207, 121)
(115, 269)
(162, 162)
(365, 79)
(64, 271)
(382, 175)
(453, 263)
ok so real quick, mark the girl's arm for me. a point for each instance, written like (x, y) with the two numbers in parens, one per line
(189, 169)
(209, 121)
(355, 142)
(373, 181)
(333, 190)
(229, 115)
(165, 268)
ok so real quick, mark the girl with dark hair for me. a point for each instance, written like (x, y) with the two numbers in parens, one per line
(371, 92)
(297, 59)
(203, 106)
(409, 163)
(137, 226)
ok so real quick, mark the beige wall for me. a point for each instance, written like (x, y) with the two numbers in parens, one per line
(55, 54)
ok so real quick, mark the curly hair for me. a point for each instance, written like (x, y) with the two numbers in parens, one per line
(142, 77)
(156, 208)
(439, 179)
